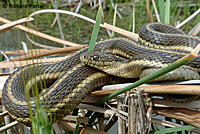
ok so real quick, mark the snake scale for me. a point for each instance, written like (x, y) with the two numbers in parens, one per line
(68, 82)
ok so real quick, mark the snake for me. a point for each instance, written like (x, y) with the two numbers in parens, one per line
(62, 85)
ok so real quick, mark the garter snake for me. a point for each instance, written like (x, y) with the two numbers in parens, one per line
(69, 81)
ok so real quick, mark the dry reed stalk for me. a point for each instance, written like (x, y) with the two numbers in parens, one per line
(170, 124)
(133, 29)
(78, 7)
(96, 109)
(63, 12)
(57, 128)
(189, 116)
(8, 123)
(132, 115)
(168, 103)
(88, 130)
(109, 33)
(148, 111)
(76, 118)
(156, 89)
(121, 122)
(47, 53)
(21, 52)
(156, 11)
(149, 14)
(101, 122)
(188, 19)
(172, 89)
(10, 25)
(3, 113)
(150, 105)
(142, 113)
(37, 33)
(165, 123)
(55, 6)
(54, 22)
(195, 30)
(117, 12)
(120, 113)
(113, 119)
(26, 62)
(121, 31)
(8, 126)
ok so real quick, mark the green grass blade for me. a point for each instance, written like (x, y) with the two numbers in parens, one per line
(178, 122)
(114, 20)
(40, 123)
(110, 6)
(148, 78)
(42, 116)
(95, 30)
(172, 130)
(130, 28)
(77, 127)
(162, 10)
(167, 12)
(75, 113)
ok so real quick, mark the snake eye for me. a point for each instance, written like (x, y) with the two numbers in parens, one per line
(95, 58)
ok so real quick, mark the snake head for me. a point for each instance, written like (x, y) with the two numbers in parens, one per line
(98, 59)
(107, 62)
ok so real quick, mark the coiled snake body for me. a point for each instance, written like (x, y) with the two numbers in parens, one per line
(70, 80)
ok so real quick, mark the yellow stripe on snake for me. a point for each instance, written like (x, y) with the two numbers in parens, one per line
(69, 81)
